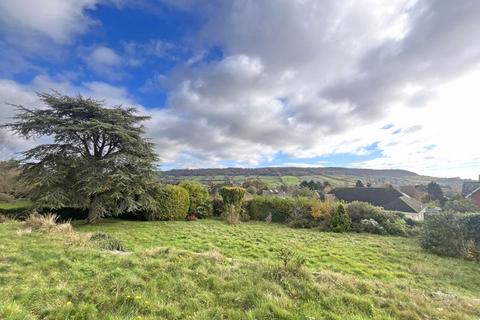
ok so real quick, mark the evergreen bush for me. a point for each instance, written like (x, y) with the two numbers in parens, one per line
(340, 220)
(232, 195)
(172, 203)
(200, 206)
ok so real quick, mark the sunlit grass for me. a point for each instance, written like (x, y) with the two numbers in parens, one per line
(209, 270)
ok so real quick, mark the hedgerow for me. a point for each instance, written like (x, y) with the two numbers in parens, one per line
(172, 203)
(200, 205)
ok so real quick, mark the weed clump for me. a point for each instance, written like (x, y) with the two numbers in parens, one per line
(107, 241)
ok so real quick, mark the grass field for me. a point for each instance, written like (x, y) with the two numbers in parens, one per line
(16, 204)
(208, 270)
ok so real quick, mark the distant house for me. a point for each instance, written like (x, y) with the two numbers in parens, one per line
(471, 190)
(388, 198)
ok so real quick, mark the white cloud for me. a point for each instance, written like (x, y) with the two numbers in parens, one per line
(57, 20)
(311, 78)
(18, 94)
(104, 61)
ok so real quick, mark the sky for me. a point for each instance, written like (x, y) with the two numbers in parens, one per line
(364, 84)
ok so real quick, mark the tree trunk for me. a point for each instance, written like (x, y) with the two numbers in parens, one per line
(92, 215)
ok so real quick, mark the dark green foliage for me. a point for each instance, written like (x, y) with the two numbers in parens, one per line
(217, 207)
(280, 209)
(200, 206)
(313, 185)
(259, 185)
(232, 195)
(396, 227)
(435, 193)
(107, 241)
(443, 234)
(460, 205)
(340, 220)
(359, 184)
(98, 159)
(388, 222)
(16, 213)
(172, 203)
(471, 229)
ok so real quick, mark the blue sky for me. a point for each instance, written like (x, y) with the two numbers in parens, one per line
(261, 83)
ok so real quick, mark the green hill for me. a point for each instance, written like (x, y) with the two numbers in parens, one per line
(337, 177)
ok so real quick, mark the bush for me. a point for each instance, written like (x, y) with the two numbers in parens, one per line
(199, 199)
(231, 214)
(371, 226)
(172, 203)
(252, 190)
(471, 229)
(303, 192)
(232, 195)
(396, 227)
(323, 210)
(296, 211)
(340, 220)
(217, 207)
(391, 222)
(260, 207)
(460, 205)
(443, 234)
(107, 241)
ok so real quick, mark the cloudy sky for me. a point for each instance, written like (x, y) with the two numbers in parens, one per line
(370, 83)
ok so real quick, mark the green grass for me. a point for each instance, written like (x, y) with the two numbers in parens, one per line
(290, 180)
(208, 270)
(15, 205)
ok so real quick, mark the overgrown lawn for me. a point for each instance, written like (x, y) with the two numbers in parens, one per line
(208, 270)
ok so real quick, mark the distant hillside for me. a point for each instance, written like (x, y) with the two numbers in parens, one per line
(287, 171)
(336, 176)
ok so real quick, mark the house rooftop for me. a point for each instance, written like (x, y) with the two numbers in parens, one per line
(388, 198)
(469, 187)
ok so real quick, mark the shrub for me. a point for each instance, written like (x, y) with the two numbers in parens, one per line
(107, 241)
(231, 214)
(359, 211)
(471, 229)
(303, 192)
(396, 227)
(391, 222)
(297, 211)
(252, 190)
(199, 199)
(340, 220)
(443, 234)
(172, 203)
(232, 195)
(371, 226)
(260, 207)
(41, 222)
(291, 261)
(323, 210)
(217, 207)
(460, 205)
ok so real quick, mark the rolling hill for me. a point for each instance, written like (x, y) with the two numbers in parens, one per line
(336, 176)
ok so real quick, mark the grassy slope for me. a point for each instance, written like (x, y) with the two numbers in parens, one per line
(349, 276)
